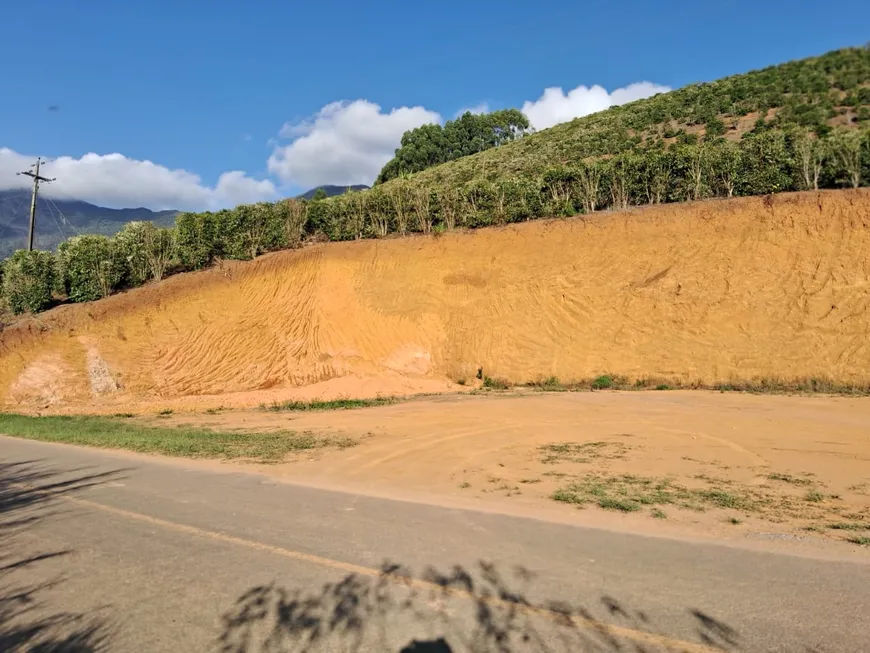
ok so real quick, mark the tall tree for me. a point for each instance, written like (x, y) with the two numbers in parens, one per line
(470, 133)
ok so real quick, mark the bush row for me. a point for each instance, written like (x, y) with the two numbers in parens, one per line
(90, 267)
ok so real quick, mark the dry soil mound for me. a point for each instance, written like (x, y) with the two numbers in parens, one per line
(749, 288)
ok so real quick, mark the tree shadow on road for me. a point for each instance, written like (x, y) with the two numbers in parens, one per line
(481, 609)
(31, 492)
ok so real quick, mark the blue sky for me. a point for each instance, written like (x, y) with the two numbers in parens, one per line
(203, 88)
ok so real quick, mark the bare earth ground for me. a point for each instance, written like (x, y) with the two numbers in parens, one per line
(712, 292)
(724, 465)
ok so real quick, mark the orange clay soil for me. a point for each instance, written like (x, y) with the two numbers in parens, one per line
(715, 291)
(752, 466)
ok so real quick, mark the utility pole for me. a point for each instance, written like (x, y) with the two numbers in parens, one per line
(36, 180)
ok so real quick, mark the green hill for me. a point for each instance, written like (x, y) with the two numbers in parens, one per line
(817, 94)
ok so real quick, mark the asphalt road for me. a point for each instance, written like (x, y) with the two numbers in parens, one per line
(114, 553)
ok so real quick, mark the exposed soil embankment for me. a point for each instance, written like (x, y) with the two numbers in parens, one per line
(719, 291)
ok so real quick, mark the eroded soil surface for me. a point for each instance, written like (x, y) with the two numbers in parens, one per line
(725, 465)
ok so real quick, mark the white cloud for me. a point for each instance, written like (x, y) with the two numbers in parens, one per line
(344, 143)
(116, 181)
(555, 106)
(477, 109)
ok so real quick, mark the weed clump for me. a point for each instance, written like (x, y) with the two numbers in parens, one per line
(333, 404)
(491, 383)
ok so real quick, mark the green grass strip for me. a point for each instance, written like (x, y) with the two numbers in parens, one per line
(111, 433)
(334, 404)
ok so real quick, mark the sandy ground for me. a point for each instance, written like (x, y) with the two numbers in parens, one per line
(510, 452)
(736, 290)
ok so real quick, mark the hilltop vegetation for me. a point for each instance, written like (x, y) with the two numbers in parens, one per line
(815, 95)
(469, 134)
(801, 125)
(330, 190)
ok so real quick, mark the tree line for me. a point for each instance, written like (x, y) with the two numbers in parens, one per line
(764, 161)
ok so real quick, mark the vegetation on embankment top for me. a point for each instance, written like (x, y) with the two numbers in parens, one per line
(116, 433)
(817, 94)
(800, 125)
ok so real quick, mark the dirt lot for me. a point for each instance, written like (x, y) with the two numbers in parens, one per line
(713, 464)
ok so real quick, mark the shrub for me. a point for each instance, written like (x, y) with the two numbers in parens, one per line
(196, 238)
(27, 281)
(602, 382)
(91, 267)
(131, 246)
(767, 165)
(291, 218)
(247, 230)
(495, 383)
(147, 250)
(160, 250)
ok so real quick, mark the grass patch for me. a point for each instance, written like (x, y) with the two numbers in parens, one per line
(464, 485)
(509, 490)
(814, 496)
(530, 480)
(788, 478)
(170, 441)
(619, 503)
(602, 382)
(656, 513)
(734, 520)
(812, 385)
(333, 404)
(849, 526)
(551, 384)
(582, 452)
(491, 383)
(166, 412)
(722, 499)
(629, 493)
(860, 540)
(756, 386)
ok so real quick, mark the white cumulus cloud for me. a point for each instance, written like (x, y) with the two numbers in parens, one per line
(117, 181)
(555, 106)
(344, 143)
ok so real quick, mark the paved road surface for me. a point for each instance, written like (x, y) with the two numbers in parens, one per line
(105, 552)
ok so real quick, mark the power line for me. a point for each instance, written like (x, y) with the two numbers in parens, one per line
(36, 180)
(63, 218)
(56, 222)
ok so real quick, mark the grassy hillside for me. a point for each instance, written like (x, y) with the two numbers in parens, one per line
(818, 94)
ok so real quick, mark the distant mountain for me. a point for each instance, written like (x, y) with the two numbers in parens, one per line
(57, 220)
(331, 191)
